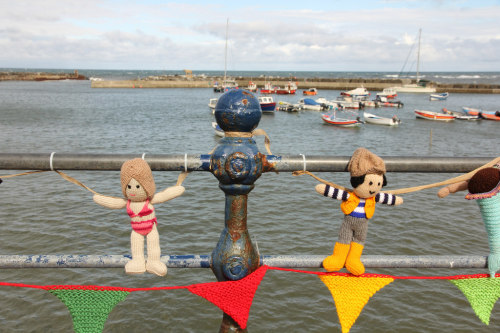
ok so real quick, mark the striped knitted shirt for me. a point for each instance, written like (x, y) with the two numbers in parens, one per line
(335, 193)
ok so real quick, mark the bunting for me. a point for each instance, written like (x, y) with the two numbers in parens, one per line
(90, 306)
(351, 293)
(482, 294)
(233, 297)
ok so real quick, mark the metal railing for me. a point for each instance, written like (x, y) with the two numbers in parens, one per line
(280, 163)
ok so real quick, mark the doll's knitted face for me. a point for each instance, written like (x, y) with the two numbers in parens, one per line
(135, 191)
(370, 187)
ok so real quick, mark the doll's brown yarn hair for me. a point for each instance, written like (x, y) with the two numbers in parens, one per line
(140, 171)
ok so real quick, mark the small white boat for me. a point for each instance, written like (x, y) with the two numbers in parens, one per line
(346, 102)
(374, 119)
(310, 105)
(439, 97)
(332, 119)
(217, 129)
(388, 93)
(431, 115)
(364, 101)
(326, 103)
(356, 92)
(212, 103)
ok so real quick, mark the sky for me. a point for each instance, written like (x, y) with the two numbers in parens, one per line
(328, 35)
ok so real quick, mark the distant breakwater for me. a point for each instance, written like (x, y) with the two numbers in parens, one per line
(319, 83)
(40, 76)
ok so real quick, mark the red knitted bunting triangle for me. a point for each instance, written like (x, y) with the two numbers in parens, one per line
(233, 297)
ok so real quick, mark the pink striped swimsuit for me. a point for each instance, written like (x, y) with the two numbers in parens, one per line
(142, 227)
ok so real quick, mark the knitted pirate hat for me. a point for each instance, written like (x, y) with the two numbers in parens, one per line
(484, 184)
(365, 162)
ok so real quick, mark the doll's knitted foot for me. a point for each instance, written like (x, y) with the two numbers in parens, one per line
(135, 266)
(156, 267)
(353, 262)
(336, 261)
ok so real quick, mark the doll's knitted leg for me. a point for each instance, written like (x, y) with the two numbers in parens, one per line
(154, 265)
(137, 265)
(336, 261)
(353, 262)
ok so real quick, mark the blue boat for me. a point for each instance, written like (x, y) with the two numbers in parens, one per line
(267, 104)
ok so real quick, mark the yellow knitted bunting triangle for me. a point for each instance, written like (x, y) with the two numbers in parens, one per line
(351, 293)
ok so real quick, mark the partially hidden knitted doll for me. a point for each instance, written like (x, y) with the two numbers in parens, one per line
(367, 178)
(483, 187)
(139, 188)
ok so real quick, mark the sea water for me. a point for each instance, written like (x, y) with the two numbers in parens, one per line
(43, 214)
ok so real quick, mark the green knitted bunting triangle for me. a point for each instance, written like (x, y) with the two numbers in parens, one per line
(482, 294)
(89, 309)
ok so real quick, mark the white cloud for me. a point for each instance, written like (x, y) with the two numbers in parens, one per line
(128, 34)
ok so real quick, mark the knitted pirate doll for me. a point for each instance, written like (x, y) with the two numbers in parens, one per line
(483, 187)
(138, 187)
(367, 178)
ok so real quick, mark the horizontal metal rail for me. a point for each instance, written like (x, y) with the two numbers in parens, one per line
(280, 163)
(203, 261)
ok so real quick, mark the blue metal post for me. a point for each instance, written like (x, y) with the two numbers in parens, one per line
(237, 164)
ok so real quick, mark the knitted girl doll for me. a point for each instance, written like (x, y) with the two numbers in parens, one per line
(483, 187)
(138, 187)
(367, 178)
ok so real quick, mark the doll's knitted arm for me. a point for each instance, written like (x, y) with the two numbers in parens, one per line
(109, 202)
(388, 199)
(332, 192)
(452, 188)
(168, 194)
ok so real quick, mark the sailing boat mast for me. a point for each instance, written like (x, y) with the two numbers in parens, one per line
(418, 55)
(225, 54)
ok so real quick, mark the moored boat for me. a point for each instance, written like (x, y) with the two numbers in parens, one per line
(388, 93)
(310, 92)
(289, 89)
(374, 119)
(460, 115)
(288, 107)
(383, 101)
(489, 116)
(268, 89)
(431, 115)
(356, 92)
(438, 96)
(212, 103)
(310, 104)
(267, 104)
(252, 86)
(476, 112)
(332, 119)
(218, 131)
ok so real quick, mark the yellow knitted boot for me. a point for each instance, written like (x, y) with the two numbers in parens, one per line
(353, 262)
(336, 261)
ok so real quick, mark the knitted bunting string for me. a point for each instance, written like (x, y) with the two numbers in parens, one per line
(90, 306)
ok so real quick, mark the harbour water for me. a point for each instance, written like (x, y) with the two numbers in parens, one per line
(43, 214)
